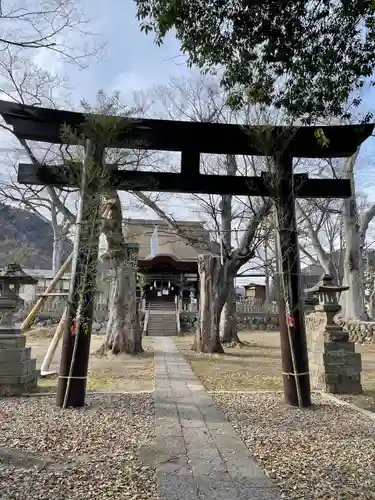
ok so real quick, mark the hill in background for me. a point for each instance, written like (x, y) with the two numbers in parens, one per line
(26, 239)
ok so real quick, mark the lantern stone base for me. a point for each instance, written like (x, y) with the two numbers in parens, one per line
(335, 367)
(18, 372)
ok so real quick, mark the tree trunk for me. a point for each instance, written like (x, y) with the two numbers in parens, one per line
(323, 256)
(57, 245)
(267, 268)
(352, 301)
(362, 264)
(365, 221)
(114, 274)
(216, 281)
(207, 338)
(123, 332)
(372, 304)
(228, 318)
(57, 252)
(371, 301)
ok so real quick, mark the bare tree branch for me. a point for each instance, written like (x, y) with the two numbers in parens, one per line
(50, 26)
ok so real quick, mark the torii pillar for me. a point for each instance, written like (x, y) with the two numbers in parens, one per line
(294, 355)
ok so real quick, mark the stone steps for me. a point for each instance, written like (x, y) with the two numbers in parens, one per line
(162, 319)
(162, 325)
(161, 333)
(162, 303)
(162, 308)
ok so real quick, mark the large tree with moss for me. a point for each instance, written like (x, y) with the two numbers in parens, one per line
(305, 56)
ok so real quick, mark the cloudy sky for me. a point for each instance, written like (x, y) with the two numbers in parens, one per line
(131, 60)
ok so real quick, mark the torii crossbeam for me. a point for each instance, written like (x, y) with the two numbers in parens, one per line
(192, 139)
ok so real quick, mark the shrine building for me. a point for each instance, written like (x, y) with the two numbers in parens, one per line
(168, 262)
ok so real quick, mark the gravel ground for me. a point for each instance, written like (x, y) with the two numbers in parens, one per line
(326, 452)
(365, 401)
(53, 454)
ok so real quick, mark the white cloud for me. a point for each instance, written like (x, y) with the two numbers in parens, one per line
(127, 82)
(48, 60)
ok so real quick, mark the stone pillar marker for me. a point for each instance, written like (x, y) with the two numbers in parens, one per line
(18, 372)
(335, 367)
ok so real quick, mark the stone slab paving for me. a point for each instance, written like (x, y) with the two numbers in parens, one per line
(199, 455)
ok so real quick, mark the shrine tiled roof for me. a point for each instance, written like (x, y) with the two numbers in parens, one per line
(195, 239)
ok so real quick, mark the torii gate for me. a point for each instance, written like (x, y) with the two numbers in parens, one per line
(193, 139)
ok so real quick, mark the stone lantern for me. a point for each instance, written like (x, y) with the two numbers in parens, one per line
(328, 294)
(12, 277)
(18, 372)
(334, 365)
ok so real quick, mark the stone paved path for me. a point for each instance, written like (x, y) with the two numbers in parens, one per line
(199, 455)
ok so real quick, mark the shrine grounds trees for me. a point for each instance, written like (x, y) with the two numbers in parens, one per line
(123, 330)
(30, 31)
(201, 99)
(319, 221)
(338, 234)
(227, 213)
(123, 334)
(302, 56)
(299, 57)
(23, 81)
(325, 228)
(48, 25)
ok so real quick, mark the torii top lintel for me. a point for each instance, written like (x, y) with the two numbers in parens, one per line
(45, 125)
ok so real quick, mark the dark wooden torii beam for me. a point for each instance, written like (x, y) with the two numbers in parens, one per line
(129, 180)
(192, 139)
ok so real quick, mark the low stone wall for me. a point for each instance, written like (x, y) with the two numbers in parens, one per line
(257, 321)
(245, 321)
(98, 327)
(361, 332)
(52, 311)
(188, 321)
